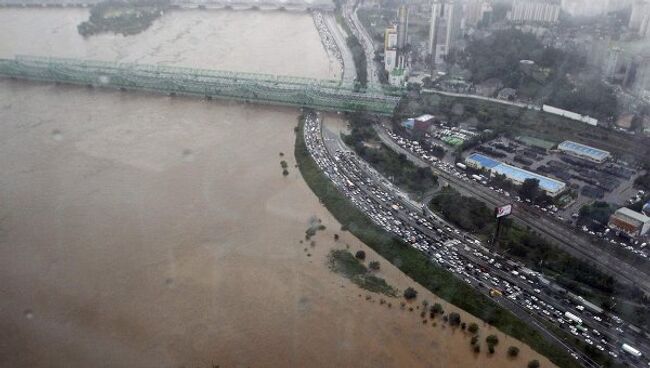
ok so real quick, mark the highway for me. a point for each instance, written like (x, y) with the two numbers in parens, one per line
(565, 238)
(351, 18)
(349, 72)
(460, 253)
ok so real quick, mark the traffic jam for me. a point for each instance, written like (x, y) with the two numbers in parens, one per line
(524, 292)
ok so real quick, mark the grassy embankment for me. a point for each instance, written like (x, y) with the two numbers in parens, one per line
(415, 265)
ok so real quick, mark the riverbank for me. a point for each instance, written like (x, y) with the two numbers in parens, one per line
(415, 265)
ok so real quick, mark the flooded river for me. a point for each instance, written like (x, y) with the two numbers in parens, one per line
(141, 230)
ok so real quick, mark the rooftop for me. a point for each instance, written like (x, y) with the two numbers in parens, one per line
(632, 214)
(425, 117)
(484, 161)
(516, 173)
(583, 149)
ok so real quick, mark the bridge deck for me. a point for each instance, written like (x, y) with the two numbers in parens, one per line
(250, 87)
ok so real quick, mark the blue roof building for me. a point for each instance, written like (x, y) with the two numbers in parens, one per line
(515, 174)
(583, 151)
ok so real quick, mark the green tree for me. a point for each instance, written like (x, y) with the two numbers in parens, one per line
(533, 364)
(454, 319)
(492, 340)
(436, 309)
(513, 351)
(529, 189)
(473, 328)
(410, 293)
(360, 255)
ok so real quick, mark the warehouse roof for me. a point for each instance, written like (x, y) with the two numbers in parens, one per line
(515, 173)
(633, 214)
(583, 149)
(482, 160)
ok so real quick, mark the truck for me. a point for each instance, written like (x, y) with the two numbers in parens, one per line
(461, 166)
(572, 317)
(631, 350)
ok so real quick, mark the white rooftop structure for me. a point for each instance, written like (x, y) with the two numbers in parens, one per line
(584, 151)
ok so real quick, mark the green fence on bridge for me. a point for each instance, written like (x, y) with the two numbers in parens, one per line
(258, 88)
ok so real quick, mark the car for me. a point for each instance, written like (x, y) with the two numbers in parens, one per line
(600, 348)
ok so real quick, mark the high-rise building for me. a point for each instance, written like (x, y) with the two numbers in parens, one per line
(537, 11)
(640, 12)
(612, 62)
(474, 11)
(641, 84)
(445, 29)
(402, 26)
(390, 48)
(402, 35)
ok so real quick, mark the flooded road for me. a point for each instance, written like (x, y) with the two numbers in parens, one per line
(142, 230)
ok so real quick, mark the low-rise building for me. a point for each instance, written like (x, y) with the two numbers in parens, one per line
(630, 222)
(515, 174)
(583, 151)
(625, 121)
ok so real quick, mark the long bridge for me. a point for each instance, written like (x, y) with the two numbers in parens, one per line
(326, 95)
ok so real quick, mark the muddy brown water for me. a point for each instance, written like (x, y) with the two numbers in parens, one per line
(141, 230)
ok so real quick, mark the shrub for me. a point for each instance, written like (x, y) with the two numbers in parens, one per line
(463, 326)
(533, 364)
(454, 319)
(285, 172)
(513, 351)
(410, 293)
(477, 348)
(473, 328)
(360, 255)
(374, 265)
(492, 340)
(436, 309)
(491, 349)
(474, 340)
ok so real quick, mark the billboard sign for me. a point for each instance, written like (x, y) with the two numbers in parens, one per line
(503, 211)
